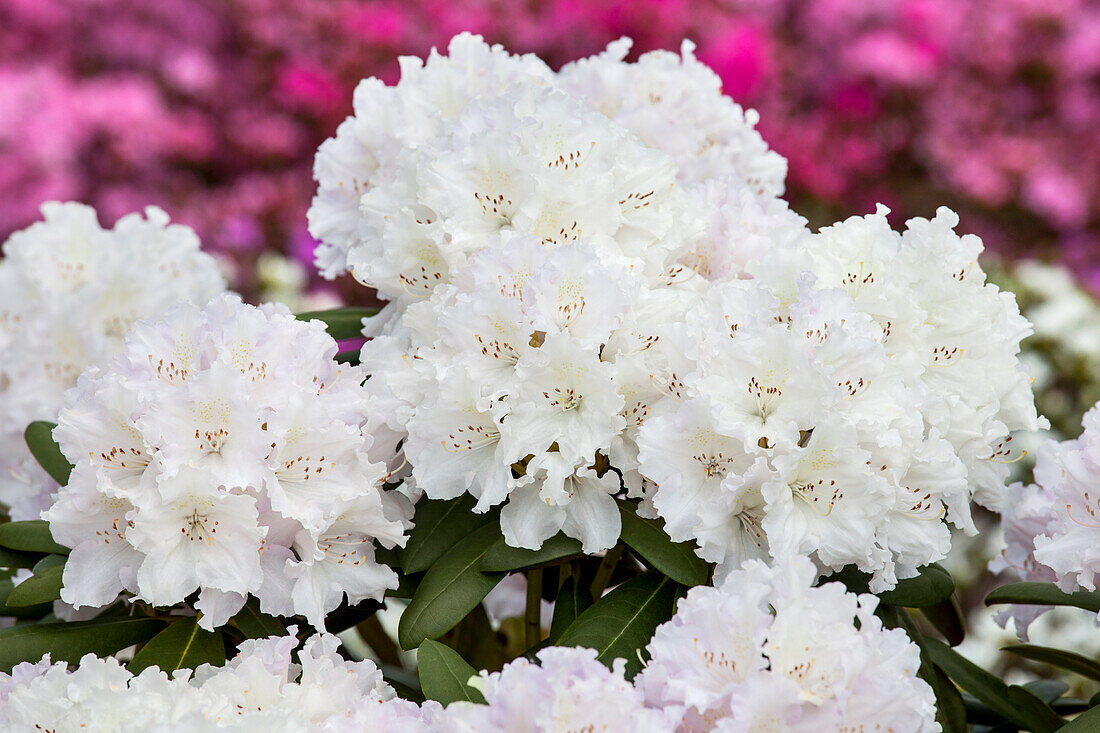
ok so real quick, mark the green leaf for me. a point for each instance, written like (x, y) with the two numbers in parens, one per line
(183, 645)
(1056, 657)
(444, 675)
(1086, 722)
(42, 587)
(438, 525)
(502, 557)
(405, 683)
(933, 585)
(17, 559)
(70, 641)
(947, 618)
(1046, 690)
(451, 588)
(621, 623)
(573, 599)
(1012, 703)
(255, 624)
(39, 438)
(1044, 594)
(950, 709)
(647, 537)
(342, 323)
(30, 536)
(21, 612)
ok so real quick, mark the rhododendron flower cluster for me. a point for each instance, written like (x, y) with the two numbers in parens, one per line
(1052, 527)
(766, 651)
(525, 240)
(594, 289)
(259, 688)
(567, 690)
(841, 403)
(224, 451)
(69, 292)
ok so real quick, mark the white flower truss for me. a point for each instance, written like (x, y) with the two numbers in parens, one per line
(568, 690)
(260, 688)
(766, 651)
(69, 291)
(223, 452)
(1052, 527)
(595, 290)
(844, 402)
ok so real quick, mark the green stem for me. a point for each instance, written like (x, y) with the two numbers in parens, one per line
(370, 629)
(532, 626)
(603, 573)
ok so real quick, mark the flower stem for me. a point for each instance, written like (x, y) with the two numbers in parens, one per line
(603, 573)
(533, 617)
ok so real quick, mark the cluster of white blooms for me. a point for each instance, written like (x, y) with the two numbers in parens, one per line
(224, 451)
(261, 688)
(595, 288)
(857, 391)
(1052, 527)
(766, 651)
(69, 291)
(567, 690)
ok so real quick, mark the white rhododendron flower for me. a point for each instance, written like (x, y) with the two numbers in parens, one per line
(224, 452)
(591, 298)
(567, 690)
(655, 96)
(259, 688)
(767, 651)
(1052, 527)
(69, 292)
(840, 404)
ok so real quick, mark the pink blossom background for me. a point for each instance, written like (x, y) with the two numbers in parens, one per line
(213, 109)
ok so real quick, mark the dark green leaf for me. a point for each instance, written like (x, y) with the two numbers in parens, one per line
(438, 525)
(1015, 704)
(621, 623)
(1086, 722)
(21, 612)
(1029, 705)
(1069, 705)
(451, 588)
(17, 559)
(947, 618)
(1058, 658)
(647, 537)
(573, 599)
(30, 536)
(444, 674)
(1044, 594)
(70, 641)
(476, 642)
(348, 357)
(39, 437)
(934, 585)
(42, 587)
(403, 682)
(931, 586)
(183, 645)
(255, 624)
(1046, 690)
(342, 323)
(950, 709)
(502, 557)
